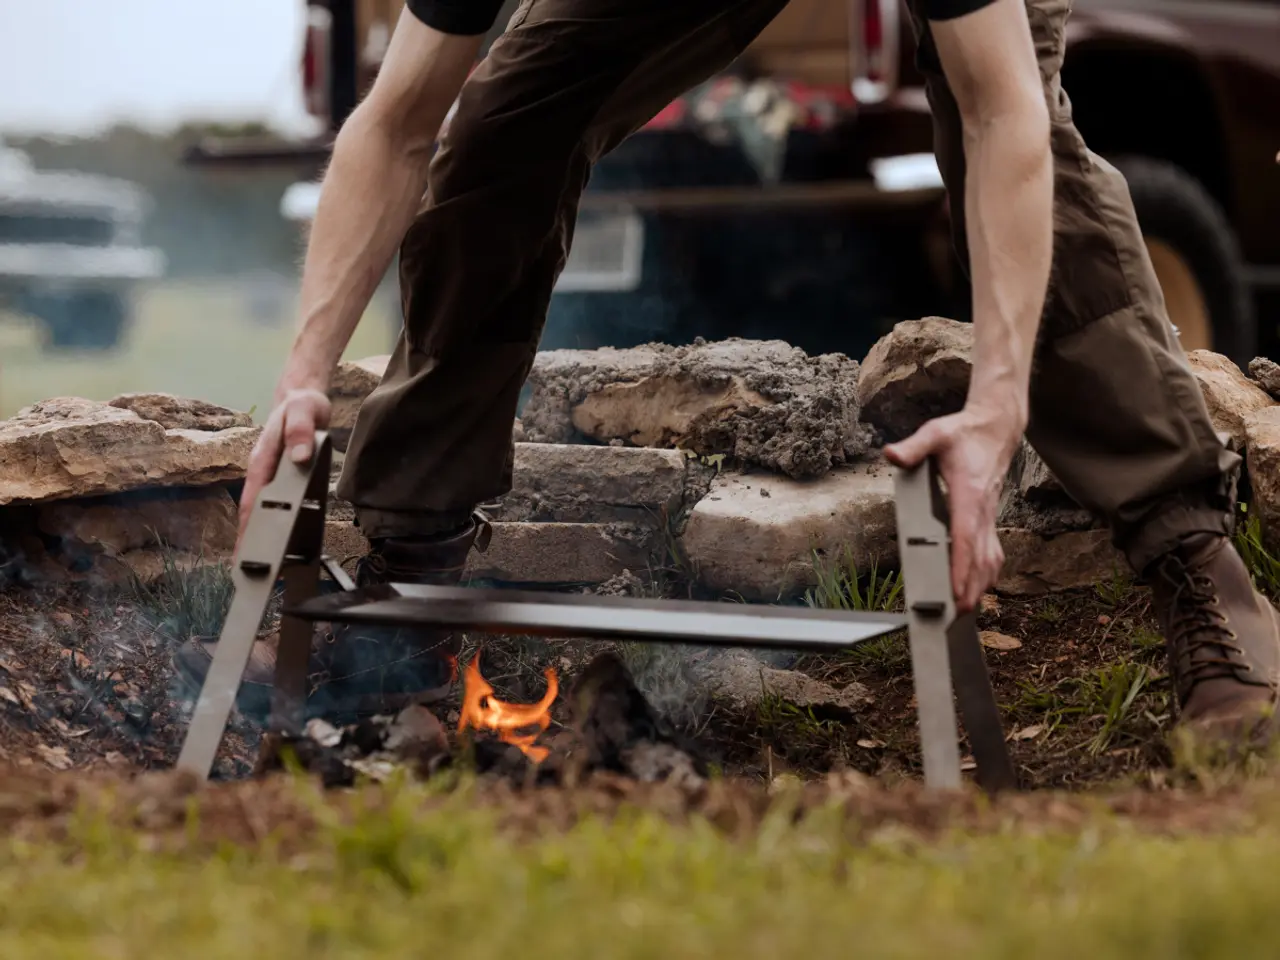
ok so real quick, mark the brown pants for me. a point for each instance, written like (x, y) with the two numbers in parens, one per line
(1115, 411)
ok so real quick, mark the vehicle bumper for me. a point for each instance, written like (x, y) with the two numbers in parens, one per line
(55, 264)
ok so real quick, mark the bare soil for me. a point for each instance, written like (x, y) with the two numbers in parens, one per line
(88, 701)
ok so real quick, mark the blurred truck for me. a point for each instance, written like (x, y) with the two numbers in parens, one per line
(808, 168)
(71, 252)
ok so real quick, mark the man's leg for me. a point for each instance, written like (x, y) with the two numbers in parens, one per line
(566, 83)
(1117, 414)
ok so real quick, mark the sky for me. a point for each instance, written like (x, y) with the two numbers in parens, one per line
(73, 67)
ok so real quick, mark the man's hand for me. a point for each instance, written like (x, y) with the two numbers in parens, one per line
(973, 449)
(292, 426)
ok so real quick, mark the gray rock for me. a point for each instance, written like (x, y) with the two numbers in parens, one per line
(69, 447)
(759, 402)
(562, 553)
(181, 413)
(1036, 565)
(742, 681)
(573, 483)
(1263, 431)
(918, 372)
(756, 535)
(1266, 373)
(1230, 396)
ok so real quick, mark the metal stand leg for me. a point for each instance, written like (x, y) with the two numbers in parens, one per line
(940, 641)
(285, 527)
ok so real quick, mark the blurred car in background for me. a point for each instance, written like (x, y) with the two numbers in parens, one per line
(808, 168)
(71, 252)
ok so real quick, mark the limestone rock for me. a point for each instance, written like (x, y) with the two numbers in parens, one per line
(760, 402)
(1263, 430)
(1036, 565)
(742, 681)
(181, 413)
(1266, 373)
(69, 447)
(575, 483)
(1230, 396)
(533, 553)
(756, 534)
(1033, 499)
(561, 553)
(148, 565)
(353, 381)
(918, 372)
(197, 521)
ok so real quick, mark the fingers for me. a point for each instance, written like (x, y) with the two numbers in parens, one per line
(299, 432)
(912, 451)
(262, 466)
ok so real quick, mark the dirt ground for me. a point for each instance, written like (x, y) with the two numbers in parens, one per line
(87, 698)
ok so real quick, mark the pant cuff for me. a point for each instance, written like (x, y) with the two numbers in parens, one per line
(378, 524)
(1163, 532)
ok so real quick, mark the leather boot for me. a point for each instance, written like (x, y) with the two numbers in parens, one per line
(1223, 639)
(375, 669)
(358, 670)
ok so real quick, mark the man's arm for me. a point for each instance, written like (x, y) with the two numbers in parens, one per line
(990, 63)
(371, 193)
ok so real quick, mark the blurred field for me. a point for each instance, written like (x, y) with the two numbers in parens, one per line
(222, 340)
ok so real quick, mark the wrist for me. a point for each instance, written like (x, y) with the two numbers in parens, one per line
(306, 369)
(1001, 415)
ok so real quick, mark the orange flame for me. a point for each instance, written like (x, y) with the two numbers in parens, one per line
(483, 711)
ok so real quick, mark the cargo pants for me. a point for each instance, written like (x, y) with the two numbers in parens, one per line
(1115, 411)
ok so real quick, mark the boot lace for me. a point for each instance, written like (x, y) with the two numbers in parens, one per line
(1200, 639)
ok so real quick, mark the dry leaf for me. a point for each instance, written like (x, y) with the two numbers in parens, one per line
(1028, 733)
(7, 694)
(55, 757)
(990, 604)
(872, 744)
(999, 641)
(27, 693)
(968, 763)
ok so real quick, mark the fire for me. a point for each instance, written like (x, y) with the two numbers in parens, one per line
(483, 711)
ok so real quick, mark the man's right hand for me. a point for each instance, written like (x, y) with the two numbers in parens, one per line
(292, 426)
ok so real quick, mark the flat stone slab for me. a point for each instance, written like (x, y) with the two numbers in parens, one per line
(71, 447)
(533, 553)
(756, 534)
(759, 402)
(1036, 565)
(575, 483)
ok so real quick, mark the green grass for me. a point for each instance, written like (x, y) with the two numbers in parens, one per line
(1264, 568)
(194, 339)
(185, 603)
(841, 586)
(404, 884)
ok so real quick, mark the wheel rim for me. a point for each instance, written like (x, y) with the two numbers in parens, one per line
(1183, 297)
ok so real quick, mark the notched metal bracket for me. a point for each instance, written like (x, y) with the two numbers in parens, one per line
(285, 538)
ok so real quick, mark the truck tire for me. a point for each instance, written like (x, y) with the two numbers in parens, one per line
(91, 320)
(1196, 258)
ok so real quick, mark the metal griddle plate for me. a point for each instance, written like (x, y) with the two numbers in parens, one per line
(557, 615)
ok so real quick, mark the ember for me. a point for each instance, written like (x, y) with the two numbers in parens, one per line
(481, 710)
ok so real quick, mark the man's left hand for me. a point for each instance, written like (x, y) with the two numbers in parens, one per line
(973, 450)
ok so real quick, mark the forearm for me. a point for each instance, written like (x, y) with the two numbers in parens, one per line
(372, 192)
(370, 195)
(1009, 215)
